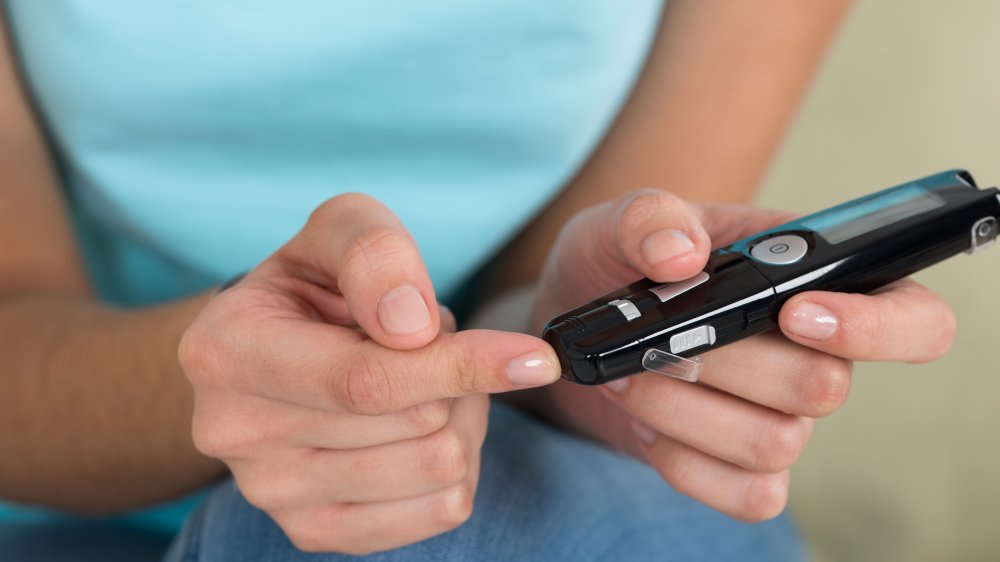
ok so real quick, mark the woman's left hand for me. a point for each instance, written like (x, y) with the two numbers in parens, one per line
(730, 439)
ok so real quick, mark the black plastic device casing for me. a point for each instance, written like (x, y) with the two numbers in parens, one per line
(742, 296)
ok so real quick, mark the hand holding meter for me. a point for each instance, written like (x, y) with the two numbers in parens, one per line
(854, 247)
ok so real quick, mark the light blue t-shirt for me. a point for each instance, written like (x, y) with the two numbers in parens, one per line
(195, 136)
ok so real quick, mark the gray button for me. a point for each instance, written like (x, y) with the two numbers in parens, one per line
(780, 250)
(984, 234)
(690, 339)
(627, 308)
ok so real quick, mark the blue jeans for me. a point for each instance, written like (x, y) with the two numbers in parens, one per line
(543, 495)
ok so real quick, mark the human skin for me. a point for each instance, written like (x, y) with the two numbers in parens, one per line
(356, 422)
(97, 411)
(730, 440)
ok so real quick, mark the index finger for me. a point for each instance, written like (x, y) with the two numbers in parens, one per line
(355, 245)
(335, 368)
(378, 380)
(903, 321)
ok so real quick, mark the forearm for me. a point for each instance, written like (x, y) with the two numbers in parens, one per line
(95, 413)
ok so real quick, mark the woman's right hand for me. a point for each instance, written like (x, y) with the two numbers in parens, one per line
(330, 384)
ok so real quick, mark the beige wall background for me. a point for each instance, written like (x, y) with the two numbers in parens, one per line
(909, 469)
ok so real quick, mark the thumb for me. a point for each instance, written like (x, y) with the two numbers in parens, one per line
(649, 233)
(355, 244)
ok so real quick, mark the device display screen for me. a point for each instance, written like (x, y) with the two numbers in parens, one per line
(841, 224)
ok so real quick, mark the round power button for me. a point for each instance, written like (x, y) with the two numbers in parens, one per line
(780, 250)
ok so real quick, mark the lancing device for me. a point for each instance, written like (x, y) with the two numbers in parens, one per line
(855, 247)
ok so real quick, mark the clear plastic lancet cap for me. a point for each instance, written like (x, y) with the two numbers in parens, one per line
(668, 364)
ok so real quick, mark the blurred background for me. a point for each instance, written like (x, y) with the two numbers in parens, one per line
(907, 469)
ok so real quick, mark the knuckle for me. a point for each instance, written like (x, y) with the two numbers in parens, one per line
(429, 417)
(465, 368)
(302, 541)
(332, 208)
(779, 445)
(364, 387)
(876, 332)
(679, 470)
(307, 540)
(372, 249)
(214, 436)
(826, 386)
(220, 342)
(639, 205)
(764, 498)
(454, 507)
(642, 203)
(198, 355)
(446, 458)
(260, 489)
(316, 531)
(207, 439)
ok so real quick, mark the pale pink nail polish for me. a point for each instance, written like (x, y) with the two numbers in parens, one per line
(661, 246)
(403, 311)
(813, 321)
(532, 369)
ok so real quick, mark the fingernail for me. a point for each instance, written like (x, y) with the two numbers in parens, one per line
(403, 311)
(813, 321)
(444, 311)
(618, 385)
(645, 433)
(533, 369)
(660, 246)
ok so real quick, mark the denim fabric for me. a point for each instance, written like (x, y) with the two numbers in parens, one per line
(543, 495)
